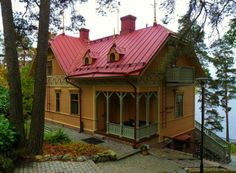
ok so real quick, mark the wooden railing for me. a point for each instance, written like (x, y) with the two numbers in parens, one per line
(180, 75)
(214, 143)
(128, 131)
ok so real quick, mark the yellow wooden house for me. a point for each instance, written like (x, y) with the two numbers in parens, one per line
(132, 86)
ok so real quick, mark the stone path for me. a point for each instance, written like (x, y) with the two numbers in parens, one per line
(59, 167)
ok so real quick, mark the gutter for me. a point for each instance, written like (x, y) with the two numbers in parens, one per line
(81, 129)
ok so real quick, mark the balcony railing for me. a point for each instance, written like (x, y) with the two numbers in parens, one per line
(180, 75)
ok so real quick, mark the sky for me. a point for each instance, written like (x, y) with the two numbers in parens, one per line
(102, 26)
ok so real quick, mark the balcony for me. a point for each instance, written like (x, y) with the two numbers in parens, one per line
(180, 75)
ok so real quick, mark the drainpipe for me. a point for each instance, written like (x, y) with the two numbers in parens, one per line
(80, 105)
(135, 113)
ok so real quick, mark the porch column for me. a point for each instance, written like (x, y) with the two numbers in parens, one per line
(137, 110)
(156, 108)
(107, 95)
(148, 96)
(121, 97)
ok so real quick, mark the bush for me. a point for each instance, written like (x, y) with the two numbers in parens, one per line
(4, 101)
(56, 137)
(8, 135)
(233, 148)
(8, 141)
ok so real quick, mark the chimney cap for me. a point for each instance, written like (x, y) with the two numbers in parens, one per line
(84, 29)
(128, 17)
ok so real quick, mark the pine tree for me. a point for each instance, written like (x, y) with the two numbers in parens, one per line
(223, 60)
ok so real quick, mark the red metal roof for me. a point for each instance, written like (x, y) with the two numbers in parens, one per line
(137, 47)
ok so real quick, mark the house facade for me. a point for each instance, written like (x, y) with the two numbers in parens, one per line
(134, 85)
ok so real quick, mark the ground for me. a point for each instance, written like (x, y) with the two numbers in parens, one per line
(159, 160)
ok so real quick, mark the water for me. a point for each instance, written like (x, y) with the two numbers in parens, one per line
(232, 119)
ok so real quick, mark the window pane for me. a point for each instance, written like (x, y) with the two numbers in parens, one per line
(74, 104)
(58, 102)
(179, 105)
(49, 68)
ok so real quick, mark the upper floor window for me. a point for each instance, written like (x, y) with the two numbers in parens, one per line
(179, 105)
(49, 68)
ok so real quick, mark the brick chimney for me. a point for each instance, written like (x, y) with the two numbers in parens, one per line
(84, 33)
(127, 24)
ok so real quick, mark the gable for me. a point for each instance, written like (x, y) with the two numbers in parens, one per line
(166, 58)
(56, 68)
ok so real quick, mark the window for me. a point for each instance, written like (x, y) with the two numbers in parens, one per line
(112, 57)
(49, 68)
(74, 104)
(86, 61)
(179, 105)
(57, 102)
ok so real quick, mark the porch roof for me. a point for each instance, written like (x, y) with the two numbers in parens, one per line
(138, 48)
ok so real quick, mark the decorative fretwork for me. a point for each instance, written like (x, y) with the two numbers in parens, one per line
(150, 78)
(57, 80)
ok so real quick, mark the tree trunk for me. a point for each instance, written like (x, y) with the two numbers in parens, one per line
(226, 109)
(16, 109)
(37, 122)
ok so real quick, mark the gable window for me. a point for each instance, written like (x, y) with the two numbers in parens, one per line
(74, 104)
(49, 68)
(112, 57)
(86, 61)
(57, 102)
(179, 105)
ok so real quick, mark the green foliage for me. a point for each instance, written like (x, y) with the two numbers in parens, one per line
(56, 136)
(4, 101)
(8, 141)
(3, 75)
(233, 148)
(27, 91)
(8, 135)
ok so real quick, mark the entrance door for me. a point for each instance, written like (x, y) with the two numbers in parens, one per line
(101, 111)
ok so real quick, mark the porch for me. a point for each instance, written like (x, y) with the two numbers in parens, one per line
(127, 114)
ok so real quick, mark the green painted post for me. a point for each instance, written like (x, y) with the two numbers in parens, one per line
(107, 107)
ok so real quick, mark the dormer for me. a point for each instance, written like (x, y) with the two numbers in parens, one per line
(115, 53)
(89, 58)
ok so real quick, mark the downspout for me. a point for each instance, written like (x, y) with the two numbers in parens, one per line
(135, 113)
(80, 105)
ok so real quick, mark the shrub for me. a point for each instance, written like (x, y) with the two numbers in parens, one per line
(4, 101)
(8, 135)
(233, 148)
(8, 141)
(56, 137)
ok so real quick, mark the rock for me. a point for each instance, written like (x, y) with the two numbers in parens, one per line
(81, 159)
(39, 157)
(66, 157)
